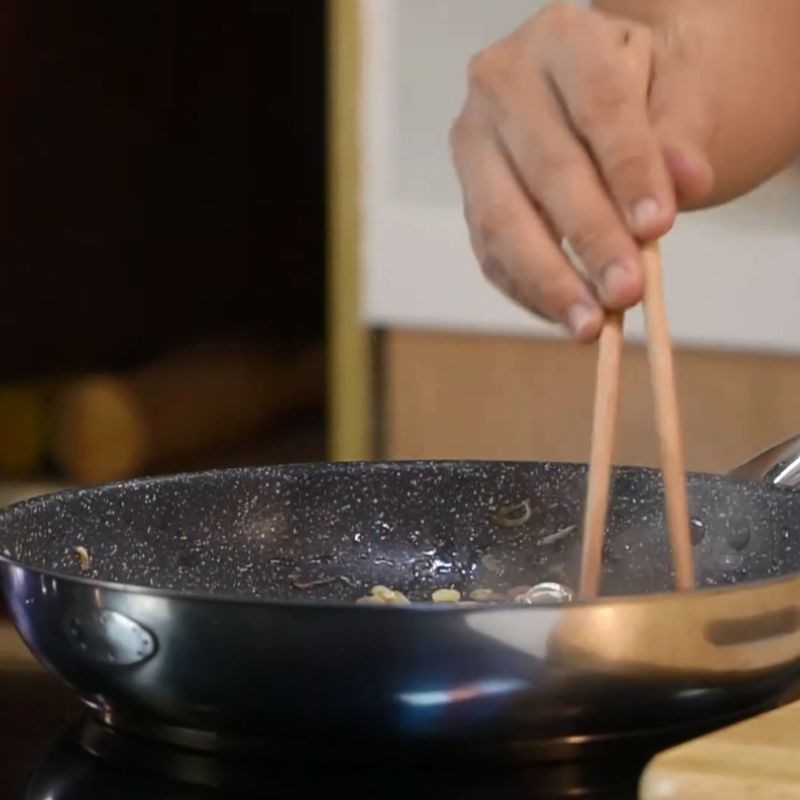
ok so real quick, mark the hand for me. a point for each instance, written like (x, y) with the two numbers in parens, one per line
(586, 128)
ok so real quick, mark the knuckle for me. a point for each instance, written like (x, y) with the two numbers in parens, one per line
(641, 36)
(489, 68)
(456, 136)
(468, 131)
(494, 270)
(506, 282)
(501, 274)
(544, 289)
(480, 68)
(602, 104)
(493, 223)
(526, 297)
(560, 17)
(534, 287)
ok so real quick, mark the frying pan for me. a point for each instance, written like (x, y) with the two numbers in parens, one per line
(216, 610)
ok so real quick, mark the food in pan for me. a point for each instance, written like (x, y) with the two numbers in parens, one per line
(514, 515)
(523, 595)
(84, 559)
(383, 594)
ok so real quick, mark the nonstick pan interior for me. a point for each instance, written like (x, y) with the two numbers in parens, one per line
(330, 532)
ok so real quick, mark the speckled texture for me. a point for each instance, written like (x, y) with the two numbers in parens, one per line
(273, 532)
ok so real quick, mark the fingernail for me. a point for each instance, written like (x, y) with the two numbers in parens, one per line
(616, 282)
(580, 318)
(645, 212)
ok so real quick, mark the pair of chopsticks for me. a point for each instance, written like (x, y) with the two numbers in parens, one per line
(659, 352)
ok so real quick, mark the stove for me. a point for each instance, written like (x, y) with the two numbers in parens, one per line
(52, 749)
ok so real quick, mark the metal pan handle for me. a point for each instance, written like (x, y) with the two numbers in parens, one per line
(779, 465)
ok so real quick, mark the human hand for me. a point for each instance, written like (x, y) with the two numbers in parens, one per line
(581, 127)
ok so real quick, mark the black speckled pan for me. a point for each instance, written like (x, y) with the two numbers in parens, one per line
(219, 607)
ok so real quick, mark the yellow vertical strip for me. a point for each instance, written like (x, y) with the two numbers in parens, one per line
(350, 396)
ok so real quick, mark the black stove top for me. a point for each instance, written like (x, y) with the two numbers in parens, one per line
(50, 749)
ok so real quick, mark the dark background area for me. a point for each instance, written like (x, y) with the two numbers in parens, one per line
(162, 177)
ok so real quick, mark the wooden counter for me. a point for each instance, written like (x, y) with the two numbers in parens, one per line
(14, 654)
(460, 396)
(758, 759)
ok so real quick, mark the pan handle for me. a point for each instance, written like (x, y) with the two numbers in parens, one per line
(779, 465)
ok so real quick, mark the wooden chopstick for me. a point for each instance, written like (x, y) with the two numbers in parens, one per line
(662, 377)
(604, 424)
(659, 350)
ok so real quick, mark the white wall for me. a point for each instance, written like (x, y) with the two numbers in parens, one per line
(733, 274)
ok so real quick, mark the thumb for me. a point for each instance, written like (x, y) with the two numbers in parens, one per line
(682, 123)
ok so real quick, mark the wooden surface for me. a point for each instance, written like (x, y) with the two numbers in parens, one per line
(115, 426)
(458, 396)
(350, 402)
(14, 654)
(755, 760)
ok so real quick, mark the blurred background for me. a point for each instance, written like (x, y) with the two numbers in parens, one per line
(230, 234)
(162, 236)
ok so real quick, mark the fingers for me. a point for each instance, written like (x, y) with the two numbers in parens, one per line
(691, 173)
(681, 118)
(512, 242)
(557, 140)
(561, 178)
(604, 92)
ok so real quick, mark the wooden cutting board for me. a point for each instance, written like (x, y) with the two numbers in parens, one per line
(758, 759)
